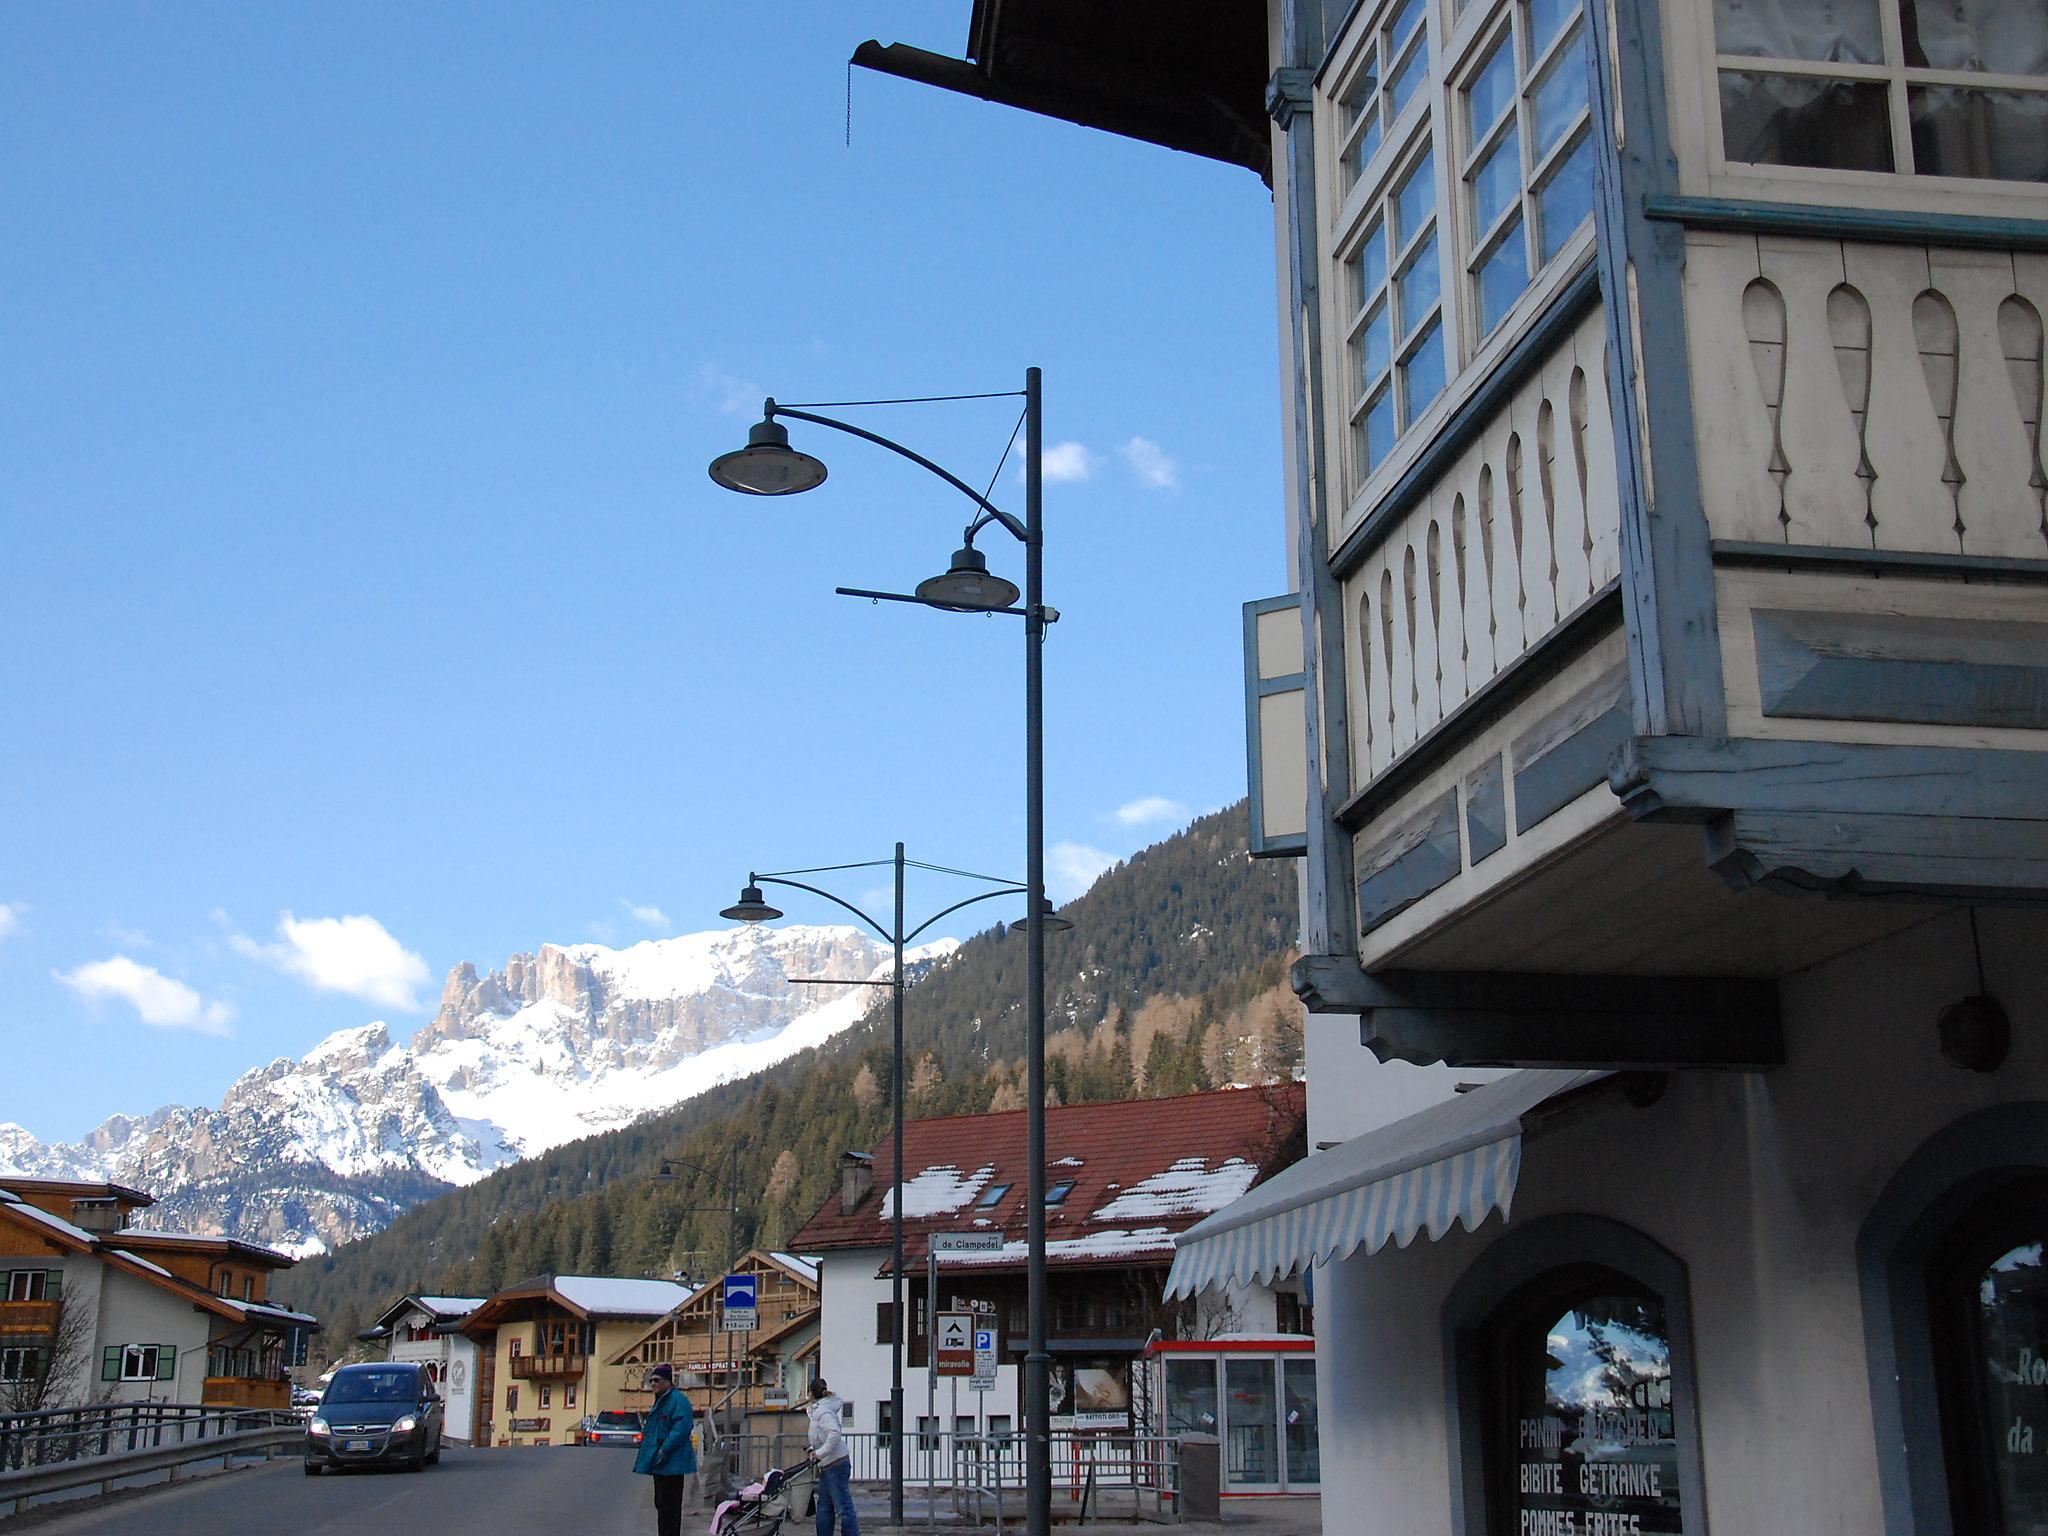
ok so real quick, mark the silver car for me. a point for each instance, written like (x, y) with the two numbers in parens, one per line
(613, 1428)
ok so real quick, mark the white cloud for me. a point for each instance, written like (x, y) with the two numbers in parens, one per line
(727, 393)
(1149, 462)
(647, 917)
(1070, 868)
(10, 917)
(356, 956)
(158, 999)
(1149, 809)
(1064, 463)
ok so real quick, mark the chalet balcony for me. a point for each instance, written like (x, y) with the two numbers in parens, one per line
(528, 1367)
(1845, 597)
(28, 1318)
(246, 1392)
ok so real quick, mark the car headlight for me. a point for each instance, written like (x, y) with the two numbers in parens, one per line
(406, 1425)
(316, 1425)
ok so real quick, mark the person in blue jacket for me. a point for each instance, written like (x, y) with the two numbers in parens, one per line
(666, 1454)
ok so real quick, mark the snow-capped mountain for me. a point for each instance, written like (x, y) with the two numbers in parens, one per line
(575, 1039)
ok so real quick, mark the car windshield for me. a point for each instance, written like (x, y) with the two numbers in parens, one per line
(373, 1387)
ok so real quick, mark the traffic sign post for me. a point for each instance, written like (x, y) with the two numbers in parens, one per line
(741, 1310)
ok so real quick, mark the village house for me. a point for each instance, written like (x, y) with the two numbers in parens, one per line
(1654, 702)
(428, 1330)
(755, 1374)
(93, 1309)
(543, 1347)
(1123, 1179)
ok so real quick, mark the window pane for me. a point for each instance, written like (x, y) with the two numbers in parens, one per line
(2012, 1314)
(1407, 78)
(1545, 17)
(1421, 282)
(1422, 375)
(1592, 1428)
(1406, 18)
(1560, 95)
(1252, 1454)
(1378, 347)
(2005, 37)
(1998, 134)
(1491, 89)
(1565, 201)
(1497, 182)
(1837, 125)
(1372, 265)
(1503, 276)
(1298, 1399)
(1842, 31)
(1368, 142)
(1379, 429)
(1415, 200)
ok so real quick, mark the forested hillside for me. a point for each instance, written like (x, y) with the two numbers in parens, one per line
(1174, 978)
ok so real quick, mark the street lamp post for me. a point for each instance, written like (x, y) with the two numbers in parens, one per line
(753, 908)
(769, 466)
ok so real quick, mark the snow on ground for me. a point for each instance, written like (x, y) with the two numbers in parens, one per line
(1190, 1186)
(937, 1191)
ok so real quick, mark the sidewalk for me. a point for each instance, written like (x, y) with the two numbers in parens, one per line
(1252, 1517)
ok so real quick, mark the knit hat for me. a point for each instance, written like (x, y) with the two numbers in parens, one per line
(663, 1372)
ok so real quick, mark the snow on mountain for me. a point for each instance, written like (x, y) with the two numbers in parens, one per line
(560, 1044)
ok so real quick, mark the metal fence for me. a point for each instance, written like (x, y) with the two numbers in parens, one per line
(52, 1436)
(951, 1477)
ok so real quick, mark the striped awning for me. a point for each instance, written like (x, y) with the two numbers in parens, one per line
(1455, 1161)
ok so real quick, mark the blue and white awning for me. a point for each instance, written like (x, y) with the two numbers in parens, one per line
(1455, 1161)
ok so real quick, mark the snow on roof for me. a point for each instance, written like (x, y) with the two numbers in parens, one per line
(1116, 1243)
(136, 1258)
(265, 1310)
(451, 1306)
(1068, 1162)
(1190, 1186)
(37, 1214)
(937, 1190)
(151, 1235)
(808, 1268)
(624, 1298)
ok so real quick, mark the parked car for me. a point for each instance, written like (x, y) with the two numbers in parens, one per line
(615, 1427)
(304, 1401)
(386, 1414)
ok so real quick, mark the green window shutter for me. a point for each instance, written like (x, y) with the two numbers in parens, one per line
(166, 1362)
(53, 1285)
(110, 1363)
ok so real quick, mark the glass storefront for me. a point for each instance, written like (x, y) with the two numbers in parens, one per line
(1996, 1377)
(1261, 1407)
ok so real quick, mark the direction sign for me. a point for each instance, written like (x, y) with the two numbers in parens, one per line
(967, 1242)
(955, 1340)
(741, 1311)
(984, 1372)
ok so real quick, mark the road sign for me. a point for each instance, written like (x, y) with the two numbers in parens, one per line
(984, 1372)
(967, 1242)
(955, 1339)
(741, 1312)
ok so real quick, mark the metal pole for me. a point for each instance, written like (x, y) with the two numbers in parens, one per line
(899, 1323)
(1037, 1362)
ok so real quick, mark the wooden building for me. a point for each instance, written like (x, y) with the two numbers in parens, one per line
(740, 1372)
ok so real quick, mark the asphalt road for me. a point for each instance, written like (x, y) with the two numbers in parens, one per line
(585, 1490)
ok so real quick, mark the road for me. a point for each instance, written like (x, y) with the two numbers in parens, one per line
(564, 1488)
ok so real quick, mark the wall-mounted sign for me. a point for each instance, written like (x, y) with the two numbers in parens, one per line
(943, 1243)
(530, 1426)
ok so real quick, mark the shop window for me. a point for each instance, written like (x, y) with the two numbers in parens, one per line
(1989, 1291)
(1954, 88)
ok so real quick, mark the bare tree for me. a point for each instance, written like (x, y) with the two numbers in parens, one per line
(56, 1365)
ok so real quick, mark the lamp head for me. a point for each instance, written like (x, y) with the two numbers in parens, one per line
(1048, 919)
(751, 908)
(966, 586)
(767, 466)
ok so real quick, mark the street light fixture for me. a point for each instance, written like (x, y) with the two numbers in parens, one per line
(768, 466)
(752, 908)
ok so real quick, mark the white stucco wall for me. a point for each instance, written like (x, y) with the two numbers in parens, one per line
(132, 1311)
(1759, 1184)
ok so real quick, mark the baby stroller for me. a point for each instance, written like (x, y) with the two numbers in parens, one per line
(760, 1508)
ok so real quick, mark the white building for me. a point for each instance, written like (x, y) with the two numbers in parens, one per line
(428, 1329)
(1123, 1179)
(1658, 707)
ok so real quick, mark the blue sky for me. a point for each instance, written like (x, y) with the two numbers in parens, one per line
(367, 607)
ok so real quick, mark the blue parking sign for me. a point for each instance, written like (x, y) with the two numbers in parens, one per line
(742, 1303)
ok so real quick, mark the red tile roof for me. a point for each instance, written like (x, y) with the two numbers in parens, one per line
(1143, 1169)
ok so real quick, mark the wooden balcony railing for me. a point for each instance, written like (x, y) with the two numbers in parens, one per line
(25, 1317)
(245, 1392)
(530, 1366)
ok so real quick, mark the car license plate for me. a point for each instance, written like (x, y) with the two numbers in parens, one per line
(357, 1445)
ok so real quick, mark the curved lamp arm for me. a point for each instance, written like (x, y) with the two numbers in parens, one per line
(837, 900)
(993, 513)
(1008, 890)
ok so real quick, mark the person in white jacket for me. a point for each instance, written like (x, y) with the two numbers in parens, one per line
(828, 1452)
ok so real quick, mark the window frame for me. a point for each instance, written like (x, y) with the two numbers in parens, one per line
(30, 1362)
(1706, 171)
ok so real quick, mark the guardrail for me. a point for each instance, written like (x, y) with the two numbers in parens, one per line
(974, 1477)
(54, 1436)
(18, 1488)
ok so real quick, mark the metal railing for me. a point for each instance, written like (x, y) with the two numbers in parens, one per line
(57, 1435)
(118, 1467)
(957, 1477)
